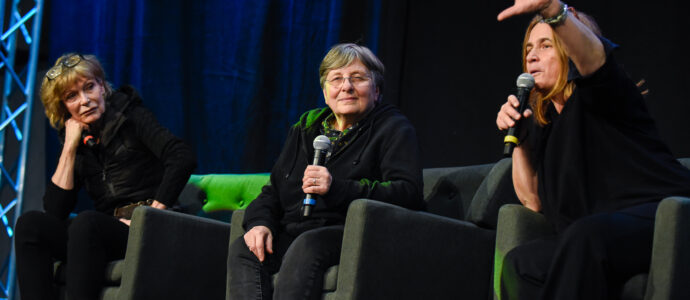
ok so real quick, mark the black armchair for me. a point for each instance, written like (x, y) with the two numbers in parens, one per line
(389, 252)
(669, 271)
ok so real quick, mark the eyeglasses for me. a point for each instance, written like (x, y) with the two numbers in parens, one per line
(68, 62)
(357, 81)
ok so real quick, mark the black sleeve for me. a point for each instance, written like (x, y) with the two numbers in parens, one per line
(610, 93)
(59, 202)
(266, 209)
(399, 161)
(177, 157)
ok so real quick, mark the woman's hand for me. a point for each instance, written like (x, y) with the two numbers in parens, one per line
(259, 239)
(508, 114)
(158, 205)
(316, 180)
(545, 7)
(73, 131)
(64, 173)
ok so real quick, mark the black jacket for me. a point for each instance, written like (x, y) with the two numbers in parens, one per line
(136, 159)
(382, 162)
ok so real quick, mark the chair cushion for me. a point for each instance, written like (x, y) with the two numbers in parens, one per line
(113, 272)
(495, 190)
(635, 287)
(330, 279)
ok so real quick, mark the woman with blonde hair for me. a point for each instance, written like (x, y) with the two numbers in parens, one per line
(115, 149)
(590, 160)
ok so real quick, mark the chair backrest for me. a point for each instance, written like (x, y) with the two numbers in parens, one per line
(470, 193)
(448, 192)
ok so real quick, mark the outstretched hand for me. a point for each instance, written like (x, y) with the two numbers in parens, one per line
(523, 7)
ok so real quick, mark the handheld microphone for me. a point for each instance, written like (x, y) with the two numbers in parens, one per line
(525, 83)
(322, 144)
(87, 138)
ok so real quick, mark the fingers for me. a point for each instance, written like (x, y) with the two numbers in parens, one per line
(527, 113)
(259, 239)
(316, 180)
(127, 222)
(269, 243)
(508, 114)
(158, 205)
(508, 12)
(259, 248)
(522, 7)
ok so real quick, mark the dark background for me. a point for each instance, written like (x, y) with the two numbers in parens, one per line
(230, 77)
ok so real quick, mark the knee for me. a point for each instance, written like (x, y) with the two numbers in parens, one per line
(511, 260)
(587, 232)
(322, 242)
(238, 251)
(84, 226)
(29, 226)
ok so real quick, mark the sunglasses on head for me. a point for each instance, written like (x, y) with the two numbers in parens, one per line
(68, 62)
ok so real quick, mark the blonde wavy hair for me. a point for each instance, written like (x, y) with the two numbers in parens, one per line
(53, 90)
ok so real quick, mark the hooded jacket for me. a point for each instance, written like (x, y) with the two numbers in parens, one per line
(136, 159)
(382, 162)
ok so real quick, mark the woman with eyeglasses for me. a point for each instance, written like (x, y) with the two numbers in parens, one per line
(374, 154)
(126, 157)
(591, 161)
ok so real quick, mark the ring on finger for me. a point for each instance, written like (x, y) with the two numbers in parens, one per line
(313, 181)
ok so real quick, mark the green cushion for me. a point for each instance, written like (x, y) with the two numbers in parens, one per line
(229, 191)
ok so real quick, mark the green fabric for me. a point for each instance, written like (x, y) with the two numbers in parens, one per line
(229, 191)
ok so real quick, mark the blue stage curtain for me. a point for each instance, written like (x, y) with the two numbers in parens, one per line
(229, 77)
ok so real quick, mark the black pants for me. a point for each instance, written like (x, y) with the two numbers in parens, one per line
(86, 243)
(302, 263)
(591, 259)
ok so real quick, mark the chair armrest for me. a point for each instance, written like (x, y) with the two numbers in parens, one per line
(174, 256)
(236, 229)
(390, 252)
(669, 272)
(516, 225)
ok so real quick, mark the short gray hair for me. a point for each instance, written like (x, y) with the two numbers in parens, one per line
(342, 55)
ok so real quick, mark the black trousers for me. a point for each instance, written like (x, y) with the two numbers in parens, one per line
(302, 262)
(86, 243)
(591, 259)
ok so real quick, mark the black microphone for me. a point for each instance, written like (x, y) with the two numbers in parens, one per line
(87, 138)
(525, 83)
(322, 144)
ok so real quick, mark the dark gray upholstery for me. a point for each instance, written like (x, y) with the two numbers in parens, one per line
(389, 252)
(669, 272)
(170, 256)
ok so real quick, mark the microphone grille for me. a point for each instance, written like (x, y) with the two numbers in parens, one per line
(525, 80)
(322, 142)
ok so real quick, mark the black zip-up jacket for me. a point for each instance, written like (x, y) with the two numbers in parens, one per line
(136, 159)
(382, 163)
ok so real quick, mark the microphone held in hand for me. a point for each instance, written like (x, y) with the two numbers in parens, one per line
(87, 138)
(525, 83)
(322, 144)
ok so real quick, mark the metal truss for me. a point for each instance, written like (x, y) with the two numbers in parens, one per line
(20, 27)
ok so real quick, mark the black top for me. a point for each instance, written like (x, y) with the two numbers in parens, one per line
(380, 162)
(602, 152)
(136, 159)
